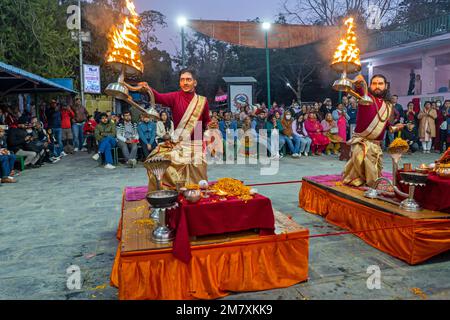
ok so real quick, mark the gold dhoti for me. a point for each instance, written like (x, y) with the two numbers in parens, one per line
(366, 163)
(188, 164)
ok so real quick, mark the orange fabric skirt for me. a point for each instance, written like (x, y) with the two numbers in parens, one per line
(214, 270)
(418, 241)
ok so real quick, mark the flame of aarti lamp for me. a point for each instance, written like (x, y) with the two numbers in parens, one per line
(124, 56)
(346, 60)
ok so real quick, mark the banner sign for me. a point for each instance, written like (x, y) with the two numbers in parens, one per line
(91, 79)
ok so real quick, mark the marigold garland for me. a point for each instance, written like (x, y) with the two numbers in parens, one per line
(233, 187)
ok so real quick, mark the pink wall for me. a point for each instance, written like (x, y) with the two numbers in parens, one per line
(442, 76)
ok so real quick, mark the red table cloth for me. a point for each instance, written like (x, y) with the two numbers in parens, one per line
(434, 196)
(211, 216)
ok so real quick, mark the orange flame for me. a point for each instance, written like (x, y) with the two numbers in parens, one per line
(124, 41)
(347, 50)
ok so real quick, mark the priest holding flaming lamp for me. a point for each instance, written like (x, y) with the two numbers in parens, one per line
(374, 110)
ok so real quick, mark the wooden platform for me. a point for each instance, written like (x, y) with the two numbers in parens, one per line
(236, 262)
(137, 230)
(412, 237)
(357, 195)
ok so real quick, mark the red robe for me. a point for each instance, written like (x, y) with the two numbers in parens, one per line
(179, 101)
(366, 114)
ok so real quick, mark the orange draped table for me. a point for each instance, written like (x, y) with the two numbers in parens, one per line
(412, 237)
(220, 264)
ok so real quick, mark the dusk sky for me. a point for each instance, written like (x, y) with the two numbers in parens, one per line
(240, 10)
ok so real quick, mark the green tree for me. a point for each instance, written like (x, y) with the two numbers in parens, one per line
(34, 37)
(414, 10)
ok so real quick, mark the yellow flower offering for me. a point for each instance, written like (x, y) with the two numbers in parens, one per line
(193, 186)
(398, 146)
(233, 188)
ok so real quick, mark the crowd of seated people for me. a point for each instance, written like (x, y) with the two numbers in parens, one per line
(311, 129)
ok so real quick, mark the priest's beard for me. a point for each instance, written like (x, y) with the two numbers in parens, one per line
(385, 94)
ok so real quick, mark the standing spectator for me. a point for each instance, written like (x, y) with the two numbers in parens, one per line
(128, 138)
(345, 102)
(331, 130)
(54, 122)
(11, 119)
(399, 108)
(427, 128)
(352, 111)
(411, 115)
(341, 117)
(7, 160)
(2, 116)
(327, 107)
(147, 134)
(292, 140)
(299, 130)
(443, 128)
(79, 119)
(315, 132)
(409, 134)
(164, 127)
(66, 128)
(105, 134)
(437, 105)
(89, 133)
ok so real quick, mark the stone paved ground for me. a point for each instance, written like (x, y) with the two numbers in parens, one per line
(67, 214)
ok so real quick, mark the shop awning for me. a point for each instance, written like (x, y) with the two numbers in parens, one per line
(14, 80)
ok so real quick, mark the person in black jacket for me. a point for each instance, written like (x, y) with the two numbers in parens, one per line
(410, 135)
(19, 142)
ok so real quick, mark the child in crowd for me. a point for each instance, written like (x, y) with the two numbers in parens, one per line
(89, 133)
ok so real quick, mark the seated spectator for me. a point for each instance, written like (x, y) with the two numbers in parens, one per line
(331, 130)
(228, 124)
(128, 139)
(164, 127)
(89, 133)
(274, 125)
(409, 134)
(19, 142)
(105, 134)
(41, 139)
(7, 160)
(147, 134)
(315, 132)
(259, 122)
(248, 140)
(293, 141)
(298, 127)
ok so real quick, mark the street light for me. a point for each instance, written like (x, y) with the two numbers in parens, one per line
(182, 22)
(266, 27)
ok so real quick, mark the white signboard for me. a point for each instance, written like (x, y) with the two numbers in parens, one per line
(240, 95)
(91, 79)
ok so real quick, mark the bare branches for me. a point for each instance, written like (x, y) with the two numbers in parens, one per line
(328, 12)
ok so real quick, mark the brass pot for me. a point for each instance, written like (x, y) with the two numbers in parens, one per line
(192, 196)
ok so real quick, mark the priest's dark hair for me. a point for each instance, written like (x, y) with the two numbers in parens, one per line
(188, 70)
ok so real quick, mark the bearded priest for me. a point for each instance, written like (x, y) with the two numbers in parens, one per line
(184, 148)
(366, 163)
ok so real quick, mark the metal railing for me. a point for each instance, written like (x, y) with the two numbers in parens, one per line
(409, 33)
